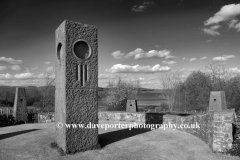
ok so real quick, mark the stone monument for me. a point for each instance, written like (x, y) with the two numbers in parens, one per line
(76, 94)
(20, 105)
(217, 101)
(131, 106)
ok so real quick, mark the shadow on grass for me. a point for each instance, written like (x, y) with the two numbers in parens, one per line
(12, 134)
(112, 137)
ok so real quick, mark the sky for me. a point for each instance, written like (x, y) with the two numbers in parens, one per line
(137, 39)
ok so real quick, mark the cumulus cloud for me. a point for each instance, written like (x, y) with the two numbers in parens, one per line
(169, 62)
(47, 62)
(142, 7)
(24, 75)
(3, 68)
(203, 58)
(209, 41)
(5, 76)
(11, 67)
(234, 70)
(193, 59)
(223, 58)
(184, 58)
(227, 13)
(119, 68)
(15, 67)
(10, 60)
(141, 54)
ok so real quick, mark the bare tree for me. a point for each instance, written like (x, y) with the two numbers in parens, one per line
(121, 91)
(219, 74)
(169, 82)
(48, 90)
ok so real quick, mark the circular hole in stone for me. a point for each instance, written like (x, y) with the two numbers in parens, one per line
(59, 50)
(81, 49)
(21, 100)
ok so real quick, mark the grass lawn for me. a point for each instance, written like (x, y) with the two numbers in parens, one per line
(32, 142)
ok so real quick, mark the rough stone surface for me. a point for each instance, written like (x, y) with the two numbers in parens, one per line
(217, 101)
(215, 127)
(131, 106)
(76, 103)
(20, 105)
(122, 116)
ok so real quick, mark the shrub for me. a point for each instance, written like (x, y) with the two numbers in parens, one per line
(118, 93)
(6, 120)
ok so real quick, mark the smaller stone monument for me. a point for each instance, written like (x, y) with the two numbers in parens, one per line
(217, 101)
(131, 106)
(20, 105)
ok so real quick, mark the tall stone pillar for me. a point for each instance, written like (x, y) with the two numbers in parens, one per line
(20, 105)
(76, 96)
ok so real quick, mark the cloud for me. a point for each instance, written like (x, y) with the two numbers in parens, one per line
(141, 54)
(203, 58)
(50, 69)
(192, 70)
(47, 62)
(193, 59)
(232, 23)
(5, 76)
(227, 13)
(21, 82)
(184, 58)
(105, 76)
(142, 7)
(183, 69)
(234, 70)
(118, 55)
(223, 58)
(237, 27)
(119, 68)
(11, 67)
(169, 62)
(15, 67)
(3, 68)
(24, 75)
(209, 41)
(33, 69)
(10, 60)
(212, 30)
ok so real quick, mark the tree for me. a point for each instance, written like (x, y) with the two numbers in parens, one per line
(48, 92)
(219, 75)
(197, 88)
(232, 91)
(118, 93)
(169, 82)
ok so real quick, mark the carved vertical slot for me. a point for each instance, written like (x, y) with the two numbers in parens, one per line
(81, 75)
(78, 75)
(86, 73)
